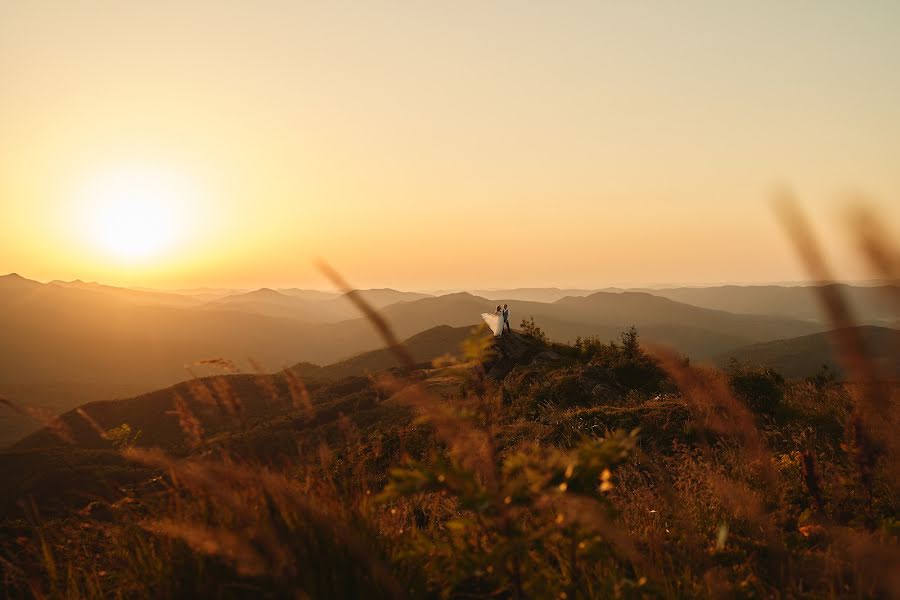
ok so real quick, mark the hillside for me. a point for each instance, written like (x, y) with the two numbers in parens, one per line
(700, 332)
(60, 335)
(63, 346)
(234, 408)
(150, 413)
(650, 313)
(804, 356)
(61, 474)
(147, 412)
(66, 345)
(362, 472)
(423, 347)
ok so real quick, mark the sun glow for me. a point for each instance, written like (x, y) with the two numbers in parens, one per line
(135, 213)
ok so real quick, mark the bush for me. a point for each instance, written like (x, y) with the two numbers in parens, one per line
(122, 436)
(606, 373)
(626, 365)
(531, 329)
(762, 389)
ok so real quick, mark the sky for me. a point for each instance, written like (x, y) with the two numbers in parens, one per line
(427, 145)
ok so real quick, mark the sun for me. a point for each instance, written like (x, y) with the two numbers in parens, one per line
(135, 213)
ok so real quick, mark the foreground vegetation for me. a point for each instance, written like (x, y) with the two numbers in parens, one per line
(529, 470)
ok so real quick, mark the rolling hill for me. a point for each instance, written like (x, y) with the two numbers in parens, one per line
(309, 306)
(271, 303)
(423, 347)
(559, 408)
(702, 333)
(381, 297)
(551, 294)
(308, 294)
(63, 345)
(804, 356)
(607, 312)
(148, 412)
(133, 295)
(62, 335)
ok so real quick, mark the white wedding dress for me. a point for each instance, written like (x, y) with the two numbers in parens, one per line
(494, 321)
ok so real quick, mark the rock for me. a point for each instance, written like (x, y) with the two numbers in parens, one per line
(511, 349)
(604, 394)
(547, 356)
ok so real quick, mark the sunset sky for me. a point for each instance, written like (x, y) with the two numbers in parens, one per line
(428, 145)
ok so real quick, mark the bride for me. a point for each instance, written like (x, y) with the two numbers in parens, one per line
(494, 321)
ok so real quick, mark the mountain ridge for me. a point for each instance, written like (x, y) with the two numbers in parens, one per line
(101, 344)
(804, 356)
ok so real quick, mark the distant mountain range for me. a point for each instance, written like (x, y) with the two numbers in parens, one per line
(875, 305)
(66, 343)
(310, 306)
(137, 296)
(62, 346)
(532, 294)
(697, 331)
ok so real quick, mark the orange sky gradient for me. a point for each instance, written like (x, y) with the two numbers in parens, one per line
(440, 145)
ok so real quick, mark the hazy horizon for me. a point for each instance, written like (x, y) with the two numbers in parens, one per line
(324, 287)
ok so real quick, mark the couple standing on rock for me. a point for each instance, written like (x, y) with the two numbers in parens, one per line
(498, 320)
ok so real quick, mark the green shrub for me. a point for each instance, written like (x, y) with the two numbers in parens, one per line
(627, 366)
(604, 373)
(531, 329)
(762, 389)
(540, 498)
(122, 436)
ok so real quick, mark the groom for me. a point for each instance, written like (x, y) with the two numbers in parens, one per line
(506, 318)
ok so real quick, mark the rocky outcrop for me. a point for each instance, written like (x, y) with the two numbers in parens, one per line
(512, 349)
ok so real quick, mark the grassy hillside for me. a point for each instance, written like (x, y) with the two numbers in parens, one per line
(94, 342)
(65, 345)
(512, 474)
(101, 343)
(652, 313)
(252, 397)
(805, 356)
(423, 347)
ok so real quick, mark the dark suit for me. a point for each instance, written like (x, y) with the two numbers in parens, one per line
(506, 319)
